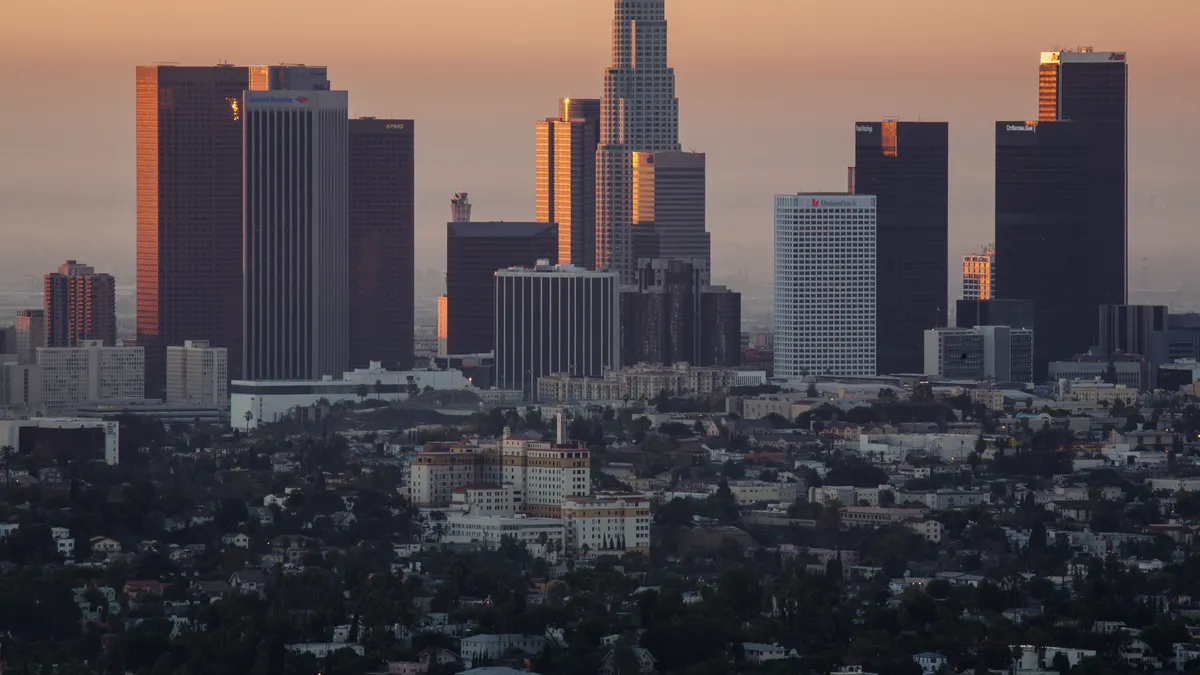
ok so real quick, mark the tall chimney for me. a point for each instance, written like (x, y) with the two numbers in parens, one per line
(561, 426)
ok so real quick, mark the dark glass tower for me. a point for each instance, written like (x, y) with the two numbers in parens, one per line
(1044, 241)
(905, 165)
(381, 242)
(474, 252)
(1091, 88)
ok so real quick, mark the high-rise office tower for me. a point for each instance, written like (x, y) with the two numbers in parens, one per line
(443, 325)
(674, 315)
(1143, 330)
(381, 242)
(30, 328)
(825, 287)
(80, 305)
(979, 274)
(905, 165)
(994, 312)
(189, 204)
(639, 113)
(554, 319)
(474, 251)
(460, 208)
(566, 180)
(1045, 240)
(296, 235)
(668, 207)
(1092, 88)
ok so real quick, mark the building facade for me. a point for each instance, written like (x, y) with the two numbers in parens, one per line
(905, 166)
(994, 312)
(1143, 330)
(669, 207)
(607, 523)
(29, 329)
(295, 313)
(474, 252)
(198, 374)
(673, 315)
(1044, 235)
(638, 113)
(1091, 89)
(381, 253)
(189, 202)
(554, 319)
(460, 208)
(825, 286)
(566, 178)
(979, 274)
(641, 382)
(79, 305)
(90, 372)
(999, 353)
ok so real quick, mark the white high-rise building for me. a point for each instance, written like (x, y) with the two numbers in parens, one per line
(90, 373)
(296, 234)
(198, 374)
(824, 285)
(639, 113)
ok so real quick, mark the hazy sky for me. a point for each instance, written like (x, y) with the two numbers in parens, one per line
(768, 88)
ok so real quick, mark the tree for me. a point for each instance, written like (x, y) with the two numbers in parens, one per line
(812, 391)
(1110, 373)
(362, 392)
(248, 416)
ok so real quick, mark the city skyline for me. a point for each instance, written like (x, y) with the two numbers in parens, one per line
(992, 73)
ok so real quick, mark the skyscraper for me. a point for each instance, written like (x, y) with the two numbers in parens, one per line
(566, 185)
(668, 207)
(296, 234)
(979, 274)
(460, 208)
(639, 112)
(554, 319)
(189, 204)
(80, 305)
(474, 251)
(381, 242)
(30, 328)
(905, 165)
(1092, 89)
(825, 288)
(1044, 234)
(675, 316)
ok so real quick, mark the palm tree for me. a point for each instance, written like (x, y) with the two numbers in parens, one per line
(248, 416)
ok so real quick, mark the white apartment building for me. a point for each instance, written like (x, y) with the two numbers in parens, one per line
(608, 522)
(546, 473)
(90, 372)
(437, 471)
(525, 530)
(198, 374)
(541, 473)
(824, 297)
(486, 499)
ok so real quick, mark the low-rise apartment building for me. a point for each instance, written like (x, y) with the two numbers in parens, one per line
(608, 522)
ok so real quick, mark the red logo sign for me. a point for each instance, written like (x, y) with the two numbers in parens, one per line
(301, 99)
(816, 203)
(1116, 57)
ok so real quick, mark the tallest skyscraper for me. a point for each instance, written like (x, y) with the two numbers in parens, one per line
(639, 113)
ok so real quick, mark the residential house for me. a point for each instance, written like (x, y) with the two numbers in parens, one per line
(492, 647)
(322, 650)
(608, 666)
(931, 662)
(236, 540)
(104, 547)
(248, 582)
(759, 652)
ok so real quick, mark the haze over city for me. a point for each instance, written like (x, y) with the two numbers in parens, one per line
(769, 89)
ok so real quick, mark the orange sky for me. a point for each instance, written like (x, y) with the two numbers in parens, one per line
(768, 88)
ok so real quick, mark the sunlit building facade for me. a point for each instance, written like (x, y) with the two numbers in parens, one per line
(979, 274)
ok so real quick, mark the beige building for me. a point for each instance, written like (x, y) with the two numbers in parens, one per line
(789, 407)
(90, 373)
(486, 499)
(541, 473)
(608, 522)
(198, 374)
(755, 491)
(875, 516)
(641, 382)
